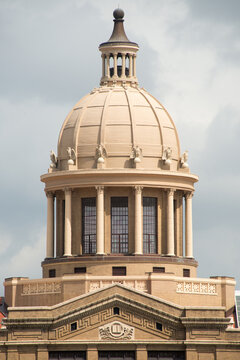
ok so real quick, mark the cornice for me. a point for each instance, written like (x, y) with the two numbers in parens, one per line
(119, 177)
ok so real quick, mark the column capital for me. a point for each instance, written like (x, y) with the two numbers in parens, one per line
(100, 189)
(189, 195)
(138, 189)
(170, 192)
(67, 189)
(50, 194)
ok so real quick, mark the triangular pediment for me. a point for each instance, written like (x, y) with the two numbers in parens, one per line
(113, 311)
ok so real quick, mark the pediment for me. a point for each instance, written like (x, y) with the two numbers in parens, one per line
(117, 311)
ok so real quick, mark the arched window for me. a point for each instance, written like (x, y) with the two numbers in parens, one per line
(149, 225)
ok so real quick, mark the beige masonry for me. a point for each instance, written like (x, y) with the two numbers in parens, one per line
(119, 142)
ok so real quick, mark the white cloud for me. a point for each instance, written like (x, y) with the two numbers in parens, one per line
(5, 241)
(27, 261)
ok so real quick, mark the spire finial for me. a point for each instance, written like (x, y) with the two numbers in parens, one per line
(118, 14)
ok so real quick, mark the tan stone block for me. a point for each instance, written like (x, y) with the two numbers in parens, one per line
(27, 356)
(13, 355)
(206, 356)
(141, 353)
(92, 353)
(3, 354)
(42, 354)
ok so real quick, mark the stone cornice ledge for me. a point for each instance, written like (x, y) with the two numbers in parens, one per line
(122, 177)
(211, 322)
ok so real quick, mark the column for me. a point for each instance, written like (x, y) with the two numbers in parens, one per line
(130, 65)
(141, 352)
(42, 352)
(138, 220)
(134, 65)
(188, 225)
(100, 220)
(50, 225)
(103, 65)
(108, 66)
(92, 352)
(123, 65)
(68, 223)
(12, 353)
(170, 223)
(115, 65)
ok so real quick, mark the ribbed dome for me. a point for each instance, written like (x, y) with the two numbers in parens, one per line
(113, 126)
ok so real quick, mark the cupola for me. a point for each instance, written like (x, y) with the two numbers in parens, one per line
(118, 55)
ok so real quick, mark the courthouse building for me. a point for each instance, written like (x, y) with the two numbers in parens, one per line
(119, 281)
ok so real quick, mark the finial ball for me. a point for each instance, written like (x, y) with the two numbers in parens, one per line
(118, 14)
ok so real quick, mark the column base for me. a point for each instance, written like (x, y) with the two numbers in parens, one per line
(100, 253)
(67, 255)
(170, 255)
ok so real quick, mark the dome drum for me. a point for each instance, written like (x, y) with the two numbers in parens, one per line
(134, 244)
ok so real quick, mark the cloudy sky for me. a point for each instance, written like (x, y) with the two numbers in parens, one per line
(189, 59)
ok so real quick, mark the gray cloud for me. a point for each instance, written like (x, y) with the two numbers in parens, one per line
(216, 10)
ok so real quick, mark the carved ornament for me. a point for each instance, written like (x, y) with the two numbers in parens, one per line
(170, 192)
(200, 288)
(140, 285)
(184, 159)
(71, 156)
(136, 154)
(167, 155)
(100, 189)
(189, 195)
(116, 331)
(138, 189)
(36, 288)
(53, 159)
(101, 154)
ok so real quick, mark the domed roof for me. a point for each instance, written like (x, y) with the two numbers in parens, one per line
(119, 127)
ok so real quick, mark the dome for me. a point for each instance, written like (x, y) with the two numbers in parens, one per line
(118, 127)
